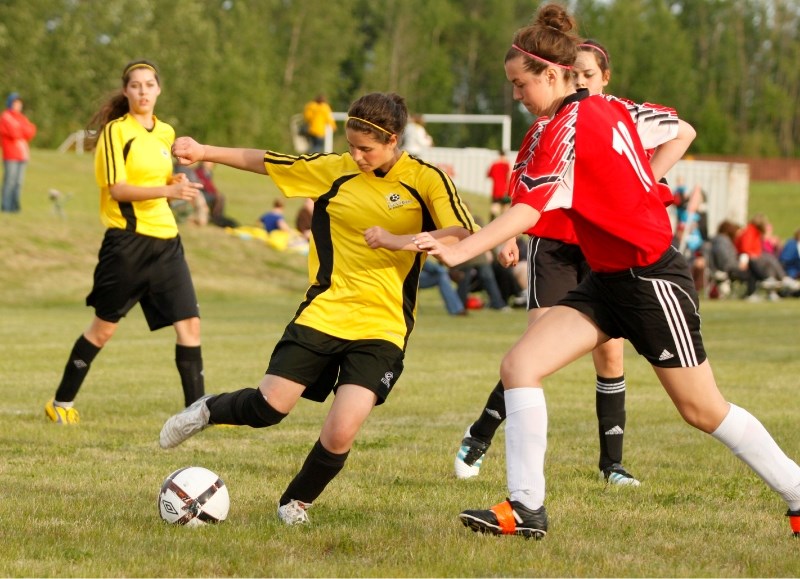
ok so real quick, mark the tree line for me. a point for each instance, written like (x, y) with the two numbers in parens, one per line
(234, 71)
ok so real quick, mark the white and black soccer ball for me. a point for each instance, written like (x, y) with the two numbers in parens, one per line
(193, 496)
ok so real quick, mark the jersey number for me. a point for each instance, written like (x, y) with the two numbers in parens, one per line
(623, 144)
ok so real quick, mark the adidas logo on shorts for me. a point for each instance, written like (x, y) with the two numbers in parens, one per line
(665, 355)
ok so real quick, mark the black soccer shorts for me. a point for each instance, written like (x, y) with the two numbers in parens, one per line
(655, 307)
(554, 268)
(134, 268)
(321, 362)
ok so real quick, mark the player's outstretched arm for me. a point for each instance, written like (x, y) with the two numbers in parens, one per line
(516, 220)
(189, 151)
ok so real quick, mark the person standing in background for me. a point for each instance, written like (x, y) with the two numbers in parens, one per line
(416, 139)
(16, 132)
(141, 259)
(318, 116)
(500, 174)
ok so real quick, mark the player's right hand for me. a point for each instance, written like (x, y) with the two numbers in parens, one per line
(187, 151)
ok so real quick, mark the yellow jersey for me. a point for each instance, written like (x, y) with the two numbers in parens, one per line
(126, 151)
(359, 293)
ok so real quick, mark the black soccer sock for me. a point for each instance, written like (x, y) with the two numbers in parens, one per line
(610, 405)
(246, 407)
(189, 360)
(320, 468)
(493, 415)
(80, 359)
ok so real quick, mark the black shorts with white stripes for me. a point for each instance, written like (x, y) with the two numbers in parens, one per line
(655, 307)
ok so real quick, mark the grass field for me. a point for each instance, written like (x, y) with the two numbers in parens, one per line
(82, 501)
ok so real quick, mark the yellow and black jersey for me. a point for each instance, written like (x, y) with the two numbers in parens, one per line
(128, 152)
(358, 293)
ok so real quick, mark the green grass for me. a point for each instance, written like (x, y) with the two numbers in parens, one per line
(82, 501)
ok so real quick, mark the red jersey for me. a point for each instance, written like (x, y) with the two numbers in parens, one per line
(499, 173)
(587, 172)
(750, 241)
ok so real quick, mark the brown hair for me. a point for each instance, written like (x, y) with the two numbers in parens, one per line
(116, 104)
(728, 228)
(600, 54)
(549, 37)
(385, 110)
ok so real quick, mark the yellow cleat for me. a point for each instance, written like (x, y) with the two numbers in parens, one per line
(61, 415)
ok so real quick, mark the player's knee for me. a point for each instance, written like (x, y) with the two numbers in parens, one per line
(266, 414)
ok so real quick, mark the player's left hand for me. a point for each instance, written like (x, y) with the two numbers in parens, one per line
(378, 238)
(508, 256)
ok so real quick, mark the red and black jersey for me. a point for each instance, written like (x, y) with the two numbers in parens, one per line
(587, 172)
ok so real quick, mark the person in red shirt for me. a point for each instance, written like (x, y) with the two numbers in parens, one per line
(589, 160)
(556, 265)
(16, 132)
(500, 173)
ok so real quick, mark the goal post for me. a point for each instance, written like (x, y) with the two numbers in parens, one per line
(503, 120)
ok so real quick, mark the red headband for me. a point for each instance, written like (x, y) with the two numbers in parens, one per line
(597, 48)
(544, 60)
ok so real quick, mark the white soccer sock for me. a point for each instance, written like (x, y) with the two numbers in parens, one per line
(749, 440)
(526, 443)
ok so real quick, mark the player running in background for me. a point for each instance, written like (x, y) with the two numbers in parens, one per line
(141, 259)
(349, 334)
(556, 265)
(590, 160)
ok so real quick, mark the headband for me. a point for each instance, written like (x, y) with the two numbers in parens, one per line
(138, 65)
(597, 48)
(544, 60)
(370, 124)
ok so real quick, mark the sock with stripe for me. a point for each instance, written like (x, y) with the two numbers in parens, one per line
(610, 407)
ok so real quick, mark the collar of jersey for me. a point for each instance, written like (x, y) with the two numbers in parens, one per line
(575, 97)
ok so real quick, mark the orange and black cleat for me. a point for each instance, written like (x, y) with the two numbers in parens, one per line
(508, 518)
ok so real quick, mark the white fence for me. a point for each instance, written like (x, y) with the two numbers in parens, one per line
(726, 185)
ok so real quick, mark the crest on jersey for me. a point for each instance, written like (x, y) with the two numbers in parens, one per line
(394, 200)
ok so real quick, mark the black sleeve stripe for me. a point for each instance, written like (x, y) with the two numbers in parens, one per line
(111, 168)
(456, 203)
(531, 183)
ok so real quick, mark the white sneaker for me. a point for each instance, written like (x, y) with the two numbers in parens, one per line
(790, 283)
(470, 456)
(185, 424)
(617, 475)
(770, 283)
(294, 512)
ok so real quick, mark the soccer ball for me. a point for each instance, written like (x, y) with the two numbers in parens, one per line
(193, 496)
